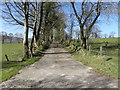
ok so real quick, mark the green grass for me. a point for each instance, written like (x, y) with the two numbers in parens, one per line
(100, 40)
(14, 52)
(96, 61)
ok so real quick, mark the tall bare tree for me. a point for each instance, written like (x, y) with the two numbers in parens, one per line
(26, 28)
(88, 16)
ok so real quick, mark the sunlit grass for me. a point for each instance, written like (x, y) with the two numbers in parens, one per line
(15, 53)
(98, 62)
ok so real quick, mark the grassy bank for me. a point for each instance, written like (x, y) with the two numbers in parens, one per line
(14, 53)
(99, 62)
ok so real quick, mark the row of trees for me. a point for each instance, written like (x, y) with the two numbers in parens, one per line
(10, 36)
(87, 15)
(110, 35)
(94, 34)
(40, 17)
(48, 22)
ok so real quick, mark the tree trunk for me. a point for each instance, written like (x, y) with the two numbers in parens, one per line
(25, 41)
(40, 22)
(2, 40)
(34, 33)
(31, 46)
(34, 37)
(83, 43)
(83, 38)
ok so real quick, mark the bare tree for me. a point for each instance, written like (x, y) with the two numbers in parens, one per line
(105, 35)
(77, 34)
(16, 35)
(88, 16)
(111, 35)
(16, 13)
(26, 28)
(13, 13)
(4, 36)
(71, 26)
(95, 32)
(10, 37)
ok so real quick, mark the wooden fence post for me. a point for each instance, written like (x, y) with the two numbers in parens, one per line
(106, 44)
(7, 57)
(89, 48)
(101, 50)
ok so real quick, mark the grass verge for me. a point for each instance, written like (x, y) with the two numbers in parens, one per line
(97, 62)
(15, 53)
(12, 68)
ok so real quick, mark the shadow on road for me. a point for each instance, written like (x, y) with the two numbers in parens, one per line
(53, 45)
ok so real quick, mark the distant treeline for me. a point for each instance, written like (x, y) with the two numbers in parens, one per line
(11, 38)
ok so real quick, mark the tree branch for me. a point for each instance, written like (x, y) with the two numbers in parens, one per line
(17, 21)
(16, 9)
(90, 12)
(79, 19)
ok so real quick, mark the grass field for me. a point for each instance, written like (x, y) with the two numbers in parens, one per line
(98, 62)
(14, 52)
(100, 40)
(110, 50)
